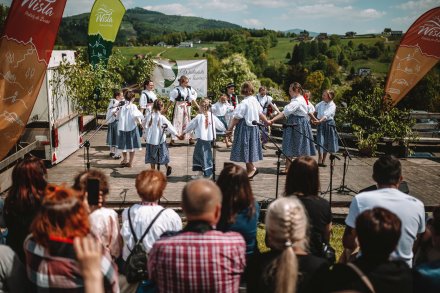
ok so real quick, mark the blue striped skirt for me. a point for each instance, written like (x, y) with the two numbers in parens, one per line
(151, 154)
(247, 145)
(112, 134)
(295, 139)
(202, 157)
(327, 136)
(129, 141)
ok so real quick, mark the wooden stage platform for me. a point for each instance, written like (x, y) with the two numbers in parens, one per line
(422, 175)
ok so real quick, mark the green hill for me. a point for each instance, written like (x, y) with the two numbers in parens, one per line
(138, 26)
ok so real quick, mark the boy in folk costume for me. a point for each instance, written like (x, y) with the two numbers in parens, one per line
(223, 111)
(265, 102)
(112, 131)
(205, 134)
(129, 140)
(148, 96)
(155, 126)
(182, 96)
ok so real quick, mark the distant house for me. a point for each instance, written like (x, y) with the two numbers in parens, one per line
(188, 44)
(387, 31)
(364, 71)
(303, 36)
(322, 36)
(161, 44)
(350, 34)
(396, 34)
(197, 41)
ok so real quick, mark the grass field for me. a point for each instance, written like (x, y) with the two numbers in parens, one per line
(279, 52)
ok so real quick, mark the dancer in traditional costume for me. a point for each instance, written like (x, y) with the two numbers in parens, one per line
(148, 96)
(268, 106)
(112, 123)
(223, 111)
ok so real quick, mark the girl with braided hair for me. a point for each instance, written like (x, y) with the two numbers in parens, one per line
(204, 125)
(156, 125)
(287, 267)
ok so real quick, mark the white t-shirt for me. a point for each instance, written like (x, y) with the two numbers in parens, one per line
(249, 109)
(152, 133)
(128, 116)
(141, 217)
(409, 209)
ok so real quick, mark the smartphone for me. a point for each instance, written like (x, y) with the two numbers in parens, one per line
(93, 191)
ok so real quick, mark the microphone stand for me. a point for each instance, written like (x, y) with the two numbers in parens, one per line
(343, 189)
(278, 152)
(332, 157)
(86, 143)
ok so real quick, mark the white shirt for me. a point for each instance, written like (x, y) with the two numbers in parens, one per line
(221, 109)
(128, 116)
(264, 102)
(186, 94)
(326, 110)
(409, 209)
(297, 107)
(249, 109)
(111, 109)
(201, 131)
(104, 224)
(145, 96)
(152, 133)
(141, 217)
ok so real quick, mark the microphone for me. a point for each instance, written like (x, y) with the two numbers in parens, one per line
(164, 126)
(255, 122)
(289, 125)
(122, 103)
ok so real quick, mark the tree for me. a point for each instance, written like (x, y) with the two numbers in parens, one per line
(288, 55)
(314, 82)
(326, 84)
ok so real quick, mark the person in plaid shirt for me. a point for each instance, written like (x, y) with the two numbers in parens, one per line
(198, 258)
(51, 261)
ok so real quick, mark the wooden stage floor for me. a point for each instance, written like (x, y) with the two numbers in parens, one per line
(422, 175)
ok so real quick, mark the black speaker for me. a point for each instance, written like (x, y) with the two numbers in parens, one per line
(402, 187)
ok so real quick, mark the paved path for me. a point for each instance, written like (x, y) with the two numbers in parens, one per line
(422, 175)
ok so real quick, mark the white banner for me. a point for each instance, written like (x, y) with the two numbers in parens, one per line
(167, 72)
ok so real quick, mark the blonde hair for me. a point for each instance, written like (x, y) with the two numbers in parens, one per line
(247, 89)
(286, 227)
(331, 94)
(204, 108)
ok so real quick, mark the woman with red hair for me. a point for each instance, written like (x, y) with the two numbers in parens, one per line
(50, 257)
(23, 201)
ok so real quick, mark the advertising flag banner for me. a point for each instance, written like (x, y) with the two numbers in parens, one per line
(418, 52)
(105, 19)
(25, 49)
(166, 75)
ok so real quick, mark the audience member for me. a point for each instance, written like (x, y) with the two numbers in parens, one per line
(240, 210)
(104, 222)
(12, 272)
(287, 267)
(427, 270)
(50, 256)
(199, 258)
(150, 185)
(24, 201)
(303, 181)
(378, 232)
(88, 253)
(387, 172)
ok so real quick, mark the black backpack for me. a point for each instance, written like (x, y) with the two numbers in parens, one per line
(136, 266)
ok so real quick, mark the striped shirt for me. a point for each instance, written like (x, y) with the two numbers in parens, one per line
(198, 262)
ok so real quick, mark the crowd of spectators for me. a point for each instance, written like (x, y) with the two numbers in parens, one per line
(54, 240)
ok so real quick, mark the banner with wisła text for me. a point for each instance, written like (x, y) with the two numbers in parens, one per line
(105, 19)
(25, 49)
(166, 75)
(418, 52)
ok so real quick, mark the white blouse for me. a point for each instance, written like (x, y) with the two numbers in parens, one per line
(152, 133)
(221, 109)
(264, 102)
(201, 131)
(111, 110)
(104, 224)
(249, 109)
(128, 116)
(186, 94)
(297, 107)
(141, 217)
(145, 96)
(326, 110)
